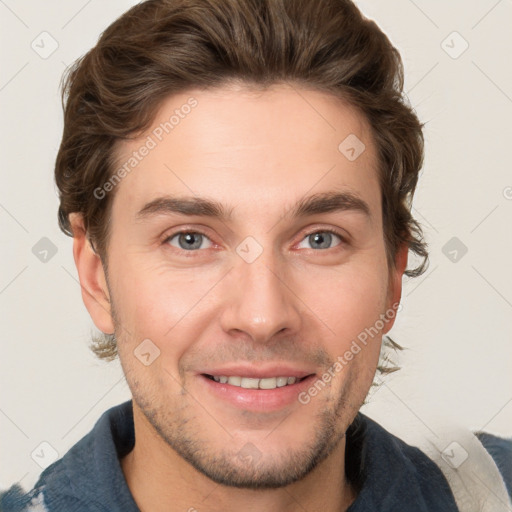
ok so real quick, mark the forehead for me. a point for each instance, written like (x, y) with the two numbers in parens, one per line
(249, 148)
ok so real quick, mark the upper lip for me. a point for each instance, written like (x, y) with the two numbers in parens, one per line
(256, 372)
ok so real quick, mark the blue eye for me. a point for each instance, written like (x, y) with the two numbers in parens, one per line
(322, 239)
(192, 241)
(188, 240)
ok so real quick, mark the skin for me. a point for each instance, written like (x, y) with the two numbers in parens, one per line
(300, 302)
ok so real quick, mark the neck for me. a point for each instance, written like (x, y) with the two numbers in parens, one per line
(161, 480)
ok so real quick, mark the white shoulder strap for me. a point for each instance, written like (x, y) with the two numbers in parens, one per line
(471, 472)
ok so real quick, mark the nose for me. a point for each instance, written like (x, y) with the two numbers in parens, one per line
(260, 302)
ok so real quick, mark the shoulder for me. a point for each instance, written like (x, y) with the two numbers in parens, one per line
(476, 465)
(392, 474)
(83, 479)
(500, 449)
(15, 499)
(57, 493)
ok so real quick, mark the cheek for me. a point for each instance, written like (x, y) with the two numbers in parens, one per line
(351, 304)
(348, 300)
(166, 305)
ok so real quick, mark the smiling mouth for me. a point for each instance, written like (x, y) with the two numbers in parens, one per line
(255, 383)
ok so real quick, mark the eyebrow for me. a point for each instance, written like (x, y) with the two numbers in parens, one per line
(324, 202)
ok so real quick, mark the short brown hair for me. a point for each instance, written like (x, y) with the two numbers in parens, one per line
(163, 47)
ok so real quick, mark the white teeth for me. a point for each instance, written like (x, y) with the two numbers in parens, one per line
(248, 383)
(235, 381)
(268, 383)
(251, 383)
(282, 381)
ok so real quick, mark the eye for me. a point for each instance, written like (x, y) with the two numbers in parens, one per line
(322, 239)
(191, 241)
(188, 240)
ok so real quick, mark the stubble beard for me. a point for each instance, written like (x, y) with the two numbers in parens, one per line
(249, 468)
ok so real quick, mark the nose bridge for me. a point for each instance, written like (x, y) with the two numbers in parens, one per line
(261, 303)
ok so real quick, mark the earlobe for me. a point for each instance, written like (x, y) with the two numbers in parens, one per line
(91, 274)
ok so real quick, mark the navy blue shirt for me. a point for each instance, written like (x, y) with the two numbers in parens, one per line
(388, 474)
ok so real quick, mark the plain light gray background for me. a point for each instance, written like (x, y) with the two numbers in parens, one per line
(456, 319)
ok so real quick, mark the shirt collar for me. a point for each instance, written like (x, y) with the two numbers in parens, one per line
(387, 473)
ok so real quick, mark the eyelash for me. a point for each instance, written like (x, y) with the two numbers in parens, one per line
(195, 232)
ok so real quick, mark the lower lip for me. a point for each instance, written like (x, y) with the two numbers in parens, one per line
(262, 400)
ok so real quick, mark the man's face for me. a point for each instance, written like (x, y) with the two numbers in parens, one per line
(265, 292)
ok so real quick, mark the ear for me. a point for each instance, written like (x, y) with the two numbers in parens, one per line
(92, 277)
(395, 283)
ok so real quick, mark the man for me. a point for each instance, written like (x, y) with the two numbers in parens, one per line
(237, 177)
